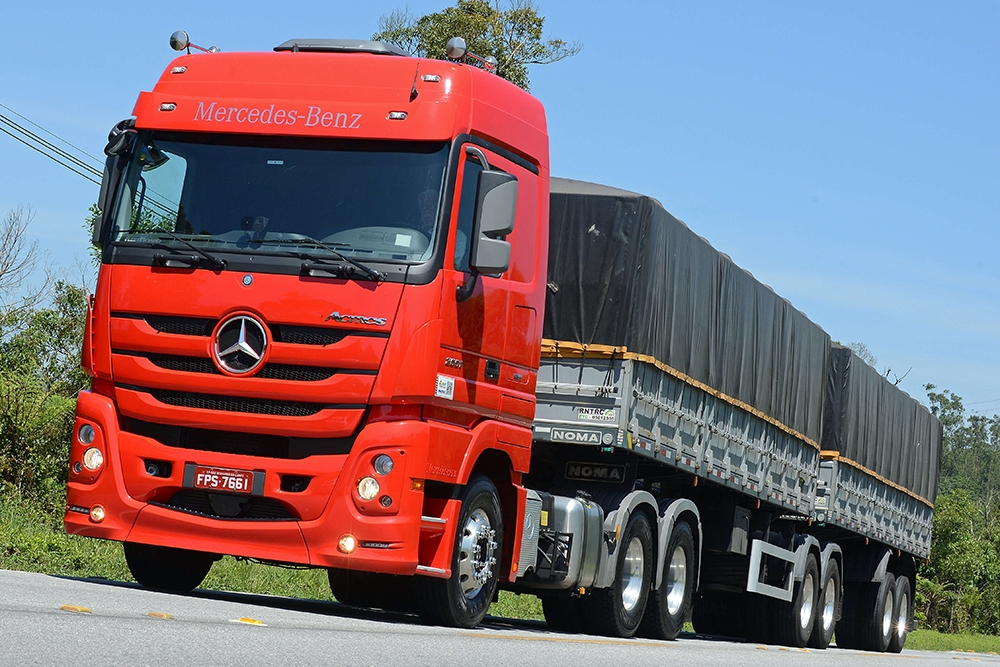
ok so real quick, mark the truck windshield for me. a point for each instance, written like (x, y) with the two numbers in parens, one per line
(240, 193)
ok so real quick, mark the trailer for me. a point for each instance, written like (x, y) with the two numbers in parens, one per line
(786, 488)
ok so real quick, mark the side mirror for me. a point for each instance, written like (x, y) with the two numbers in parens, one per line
(121, 138)
(496, 206)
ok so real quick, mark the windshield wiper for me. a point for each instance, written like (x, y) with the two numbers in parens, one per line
(216, 261)
(372, 274)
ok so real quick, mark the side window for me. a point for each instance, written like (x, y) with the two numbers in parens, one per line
(466, 213)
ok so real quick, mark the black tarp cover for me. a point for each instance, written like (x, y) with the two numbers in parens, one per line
(626, 277)
(873, 425)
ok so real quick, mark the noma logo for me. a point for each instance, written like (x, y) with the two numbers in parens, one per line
(575, 435)
(593, 472)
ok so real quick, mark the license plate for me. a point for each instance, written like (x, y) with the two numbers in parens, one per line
(223, 479)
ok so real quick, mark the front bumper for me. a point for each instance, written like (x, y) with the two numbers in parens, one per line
(137, 505)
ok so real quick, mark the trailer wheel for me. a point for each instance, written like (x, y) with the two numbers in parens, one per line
(903, 616)
(668, 606)
(795, 619)
(877, 615)
(563, 614)
(617, 610)
(462, 599)
(829, 602)
(371, 589)
(167, 569)
(848, 632)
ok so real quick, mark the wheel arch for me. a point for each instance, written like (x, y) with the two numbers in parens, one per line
(673, 511)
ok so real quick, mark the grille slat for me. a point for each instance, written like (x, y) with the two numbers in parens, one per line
(234, 442)
(257, 406)
(287, 333)
(254, 508)
(184, 326)
(269, 372)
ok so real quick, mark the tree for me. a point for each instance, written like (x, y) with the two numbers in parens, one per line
(512, 34)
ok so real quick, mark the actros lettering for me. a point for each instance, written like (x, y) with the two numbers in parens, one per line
(312, 116)
(357, 319)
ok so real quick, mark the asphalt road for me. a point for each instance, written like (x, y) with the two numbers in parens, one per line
(47, 620)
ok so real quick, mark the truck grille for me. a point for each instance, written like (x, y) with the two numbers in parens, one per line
(269, 372)
(232, 442)
(257, 406)
(283, 333)
(252, 508)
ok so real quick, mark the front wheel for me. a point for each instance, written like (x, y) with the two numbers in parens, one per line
(462, 599)
(669, 605)
(617, 610)
(167, 569)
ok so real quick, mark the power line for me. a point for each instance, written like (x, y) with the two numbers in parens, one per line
(48, 149)
(51, 134)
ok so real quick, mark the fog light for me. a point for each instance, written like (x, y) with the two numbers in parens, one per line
(77, 467)
(368, 488)
(93, 459)
(348, 543)
(385, 501)
(86, 434)
(97, 513)
(382, 464)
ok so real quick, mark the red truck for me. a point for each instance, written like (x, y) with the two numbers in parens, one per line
(317, 339)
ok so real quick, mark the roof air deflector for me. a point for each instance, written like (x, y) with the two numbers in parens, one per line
(341, 46)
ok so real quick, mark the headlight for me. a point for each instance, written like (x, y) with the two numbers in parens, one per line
(368, 488)
(93, 459)
(382, 464)
(86, 434)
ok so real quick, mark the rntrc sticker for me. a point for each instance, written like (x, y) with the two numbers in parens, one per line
(607, 415)
(445, 387)
(594, 472)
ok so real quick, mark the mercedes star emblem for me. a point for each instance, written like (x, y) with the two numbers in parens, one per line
(240, 344)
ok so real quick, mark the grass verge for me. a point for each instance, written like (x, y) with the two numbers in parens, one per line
(931, 640)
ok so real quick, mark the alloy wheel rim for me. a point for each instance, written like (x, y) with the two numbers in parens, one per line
(476, 558)
(676, 580)
(632, 570)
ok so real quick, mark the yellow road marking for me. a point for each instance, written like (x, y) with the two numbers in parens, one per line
(161, 614)
(249, 621)
(79, 610)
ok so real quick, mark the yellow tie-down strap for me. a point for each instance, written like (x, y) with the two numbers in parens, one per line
(833, 455)
(567, 350)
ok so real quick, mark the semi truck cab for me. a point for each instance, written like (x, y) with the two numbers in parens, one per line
(317, 318)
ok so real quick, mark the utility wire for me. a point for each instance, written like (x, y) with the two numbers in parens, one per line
(88, 176)
(31, 138)
(51, 134)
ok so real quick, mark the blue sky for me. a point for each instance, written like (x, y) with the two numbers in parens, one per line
(848, 154)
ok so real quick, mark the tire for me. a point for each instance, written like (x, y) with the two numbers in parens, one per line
(795, 620)
(669, 605)
(461, 600)
(848, 633)
(564, 614)
(714, 613)
(616, 611)
(877, 614)
(756, 623)
(903, 617)
(371, 589)
(167, 569)
(827, 607)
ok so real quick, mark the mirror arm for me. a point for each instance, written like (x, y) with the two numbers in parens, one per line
(472, 150)
(463, 292)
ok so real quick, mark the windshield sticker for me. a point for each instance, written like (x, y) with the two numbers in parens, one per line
(403, 240)
(596, 414)
(269, 115)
